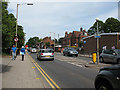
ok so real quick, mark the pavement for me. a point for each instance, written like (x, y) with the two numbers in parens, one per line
(20, 74)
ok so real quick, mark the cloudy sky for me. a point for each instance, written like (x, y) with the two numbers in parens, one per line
(58, 17)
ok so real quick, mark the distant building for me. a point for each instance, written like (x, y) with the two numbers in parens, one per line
(45, 41)
(107, 39)
(48, 39)
(73, 38)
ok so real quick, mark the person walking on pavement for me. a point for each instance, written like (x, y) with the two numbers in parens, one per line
(22, 52)
(14, 50)
(113, 47)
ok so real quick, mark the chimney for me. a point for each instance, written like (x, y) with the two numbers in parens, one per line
(66, 34)
(81, 29)
(50, 38)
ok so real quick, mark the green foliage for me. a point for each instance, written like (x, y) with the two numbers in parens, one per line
(47, 44)
(81, 44)
(60, 40)
(110, 25)
(33, 41)
(9, 29)
(93, 29)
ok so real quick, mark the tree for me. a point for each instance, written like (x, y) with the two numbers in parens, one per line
(81, 44)
(33, 41)
(47, 44)
(60, 40)
(92, 30)
(112, 25)
(9, 29)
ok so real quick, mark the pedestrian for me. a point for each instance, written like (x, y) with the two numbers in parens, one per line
(14, 50)
(22, 52)
(113, 47)
(104, 47)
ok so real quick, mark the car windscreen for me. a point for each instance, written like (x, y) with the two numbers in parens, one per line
(71, 49)
(117, 50)
(46, 51)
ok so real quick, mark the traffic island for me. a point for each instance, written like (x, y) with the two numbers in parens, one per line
(93, 65)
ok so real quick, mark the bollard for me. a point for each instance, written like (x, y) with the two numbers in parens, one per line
(94, 57)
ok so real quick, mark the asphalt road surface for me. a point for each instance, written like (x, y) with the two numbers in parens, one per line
(68, 74)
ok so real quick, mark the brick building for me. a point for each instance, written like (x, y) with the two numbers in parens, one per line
(107, 39)
(48, 39)
(45, 40)
(73, 38)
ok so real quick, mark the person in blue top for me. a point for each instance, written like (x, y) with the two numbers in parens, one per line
(14, 50)
(22, 52)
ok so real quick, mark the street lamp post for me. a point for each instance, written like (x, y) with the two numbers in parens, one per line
(17, 17)
(54, 42)
(97, 41)
(16, 22)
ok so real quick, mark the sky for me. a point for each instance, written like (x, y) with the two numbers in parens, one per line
(60, 16)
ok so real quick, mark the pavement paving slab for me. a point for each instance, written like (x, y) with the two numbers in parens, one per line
(20, 74)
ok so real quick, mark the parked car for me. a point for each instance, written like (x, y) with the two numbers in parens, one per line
(110, 56)
(45, 54)
(108, 78)
(70, 52)
(33, 50)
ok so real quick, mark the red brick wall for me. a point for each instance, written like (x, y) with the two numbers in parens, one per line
(48, 40)
(108, 40)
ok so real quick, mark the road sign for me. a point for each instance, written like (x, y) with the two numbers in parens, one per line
(97, 36)
(15, 39)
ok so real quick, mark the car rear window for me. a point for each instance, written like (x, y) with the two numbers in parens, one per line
(46, 51)
(118, 51)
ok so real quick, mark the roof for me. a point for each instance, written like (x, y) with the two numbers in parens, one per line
(101, 35)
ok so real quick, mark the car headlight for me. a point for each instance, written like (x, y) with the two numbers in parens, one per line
(71, 51)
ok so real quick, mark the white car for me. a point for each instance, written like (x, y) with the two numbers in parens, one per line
(33, 50)
(45, 54)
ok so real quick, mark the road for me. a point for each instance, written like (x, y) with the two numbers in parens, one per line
(68, 72)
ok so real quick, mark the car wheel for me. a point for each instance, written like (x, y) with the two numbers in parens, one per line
(63, 54)
(53, 59)
(103, 86)
(37, 58)
(101, 60)
(118, 61)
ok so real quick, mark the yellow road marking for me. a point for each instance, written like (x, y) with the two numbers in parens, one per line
(49, 78)
(33, 67)
(38, 78)
(45, 77)
(43, 72)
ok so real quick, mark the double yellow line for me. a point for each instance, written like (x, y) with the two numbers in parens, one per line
(45, 75)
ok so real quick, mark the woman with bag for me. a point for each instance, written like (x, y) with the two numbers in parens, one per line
(22, 52)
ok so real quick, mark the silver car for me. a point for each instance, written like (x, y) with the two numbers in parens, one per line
(33, 50)
(45, 54)
(70, 52)
(112, 56)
